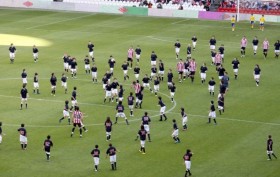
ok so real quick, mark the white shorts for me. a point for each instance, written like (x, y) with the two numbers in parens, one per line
(111, 70)
(147, 128)
(87, 66)
(130, 107)
(177, 50)
(136, 76)
(120, 114)
(114, 91)
(276, 51)
(222, 55)
(24, 80)
(23, 100)
(162, 109)
(194, 44)
(65, 65)
(69, 66)
(255, 47)
(90, 54)
(23, 139)
(161, 72)
(172, 94)
(220, 77)
(35, 55)
(0, 139)
(213, 59)
(120, 98)
(189, 55)
(153, 74)
(64, 84)
(220, 107)
(212, 114)
(203, 76)
(142, 143)
(153, 62)
(184, 120)
(125, 72)
(235, 70)
(188, 165)
(36, 85)
(73, 70)
(94, 74)
(212, 47)
(96, 160)
(66, 113)
(108, 133)
(186, 71)
(74, 102)
(137, 56)
(113, 158)
(256, 76)
(269, 152)
(104, 86)
(108, 94)
(146, 85)
(211, 88)
(175, 133)
(12, 55)
(156, 87)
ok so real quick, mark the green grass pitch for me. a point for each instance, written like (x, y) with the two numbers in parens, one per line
(234, 148)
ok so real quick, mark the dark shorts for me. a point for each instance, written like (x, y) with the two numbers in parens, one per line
(77, 124)
(264, 50)
(130, 59)
(192, 73)
(218, 64)
(180, 72)
(243, 48)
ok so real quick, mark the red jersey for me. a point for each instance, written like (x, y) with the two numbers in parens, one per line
(77, 117)
(180, 66)
(192, 66)
(265, 44)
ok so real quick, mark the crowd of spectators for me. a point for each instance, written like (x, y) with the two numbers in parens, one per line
(252, 4)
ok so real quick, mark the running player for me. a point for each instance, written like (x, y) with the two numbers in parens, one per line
(265, 47)
(172, 89)
(65, 112)
(87, 64)
(142, 133)
(77, 118)
(36, 84)
(95, 153)
(114, 88)
(184, 119)
(212, 113)
(111, 63)
(160, 70)
(277, 48)
(162, 109)
(146, 82)
(65, 62)
(269, 148)
(120, 113)
(12, 50)
(136, 72)
(189, 51)
(24, 77)
(130, 54)
(156, 85)
(180, 69)
(138, 53)
(187, 160)
(175, 132)
(111, 152)
(233, 20)
(64, 82)
(74, 98)
(74, 66)
(125, 67)
(47, 147)
(35, 53)
(145, 122)
(22, 137)
(255, 43)
(153, 58)
(194, 41)
(222, 51)
(91, 50)
(257, 74)
(177, 46)
(24, 95)
(108, 92)
(235, 65)
(94, 73)
(262, 20)
(53, 84)
(243, 45)
(203, 70)
(212, 43)
(108, 128)
(192, 68)
(211, 86)
(130, 102)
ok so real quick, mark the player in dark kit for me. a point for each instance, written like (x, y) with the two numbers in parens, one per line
(1, 132)
(142, 133)
(184, 119)
(162, 109)
(212, 43)
(74, 98)
(130, 102)
(203, 70)
(125, 67)
(175, 133)
(22, 137)
(74, 68)
(120, 113)
(136, 72)
(112, 153)
(120, 94)
(177, 46)
(212, 113)
(145, 122)
(156, 85)
(255, 43)
(139, 98)
(90, 50)
(36, 84)
(161, 70)
(269, 148)
(108, 128)
(257, 74)
(189, 51)
(172, 89)
(95, 153)
(24, 95)
(222, 51)
(64, 82)
(187, 160)
(35, 53)
(221, 103)
(94, 73)
(153, 58)
(111, 63)
(169, 78)
(24, 77)
(235, 65)
(138, 53)
(194, 40)
(114, 88)
(66, 114)
(53, 84)
(12, 50)
(277, 48)
(47, 146)
(87, 65)
(211, 86)
(65, 62)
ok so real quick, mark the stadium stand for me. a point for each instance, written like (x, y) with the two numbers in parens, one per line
(199, 5)
(269, 7)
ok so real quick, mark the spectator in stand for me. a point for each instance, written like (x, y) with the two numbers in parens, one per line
(150, 5)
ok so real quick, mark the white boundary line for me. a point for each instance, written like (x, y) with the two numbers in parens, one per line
(180, 21)
(60, 21)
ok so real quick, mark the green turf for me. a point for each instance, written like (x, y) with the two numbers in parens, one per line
(234, 148)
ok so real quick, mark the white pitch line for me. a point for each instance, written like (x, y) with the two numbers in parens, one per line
(60, 21)
(179, 21)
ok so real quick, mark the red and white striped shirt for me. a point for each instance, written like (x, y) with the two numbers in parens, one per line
(265, 44)
(243, 42)
(218, 58)
(192, 65)
(130, 53)
(137, 87)
(77, 117)
(180, 66)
